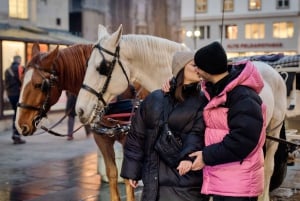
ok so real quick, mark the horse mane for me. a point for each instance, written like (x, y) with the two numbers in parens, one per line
(71, 62)
(143, 45)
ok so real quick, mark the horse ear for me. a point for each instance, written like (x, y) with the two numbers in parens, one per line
(35, 49)
(115, 37)
(102, 31)
(54, 53)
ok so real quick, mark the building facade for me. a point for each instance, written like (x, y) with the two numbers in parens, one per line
(24, 22)
(154, 17)
(245, 28)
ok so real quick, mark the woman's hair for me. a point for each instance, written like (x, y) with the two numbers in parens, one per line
(179, 84)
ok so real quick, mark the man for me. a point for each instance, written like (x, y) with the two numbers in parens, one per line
(13, 77)
(232, 159)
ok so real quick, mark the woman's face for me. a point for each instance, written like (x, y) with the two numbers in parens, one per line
(190, 73)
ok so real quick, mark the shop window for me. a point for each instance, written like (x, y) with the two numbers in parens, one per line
(231, 31)
(18, 9)
(283, 30)
(200, 6)
(255, 31)
(43, 48)
(254, 4)
(12, 48)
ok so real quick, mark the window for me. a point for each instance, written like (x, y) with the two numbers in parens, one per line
(18, 9)
(200, 6)
(231, 31)
(254, 4)
(207, 32)
(283, 30)
(255, 31)
(58, 21)
(281, 4)
(228, 5)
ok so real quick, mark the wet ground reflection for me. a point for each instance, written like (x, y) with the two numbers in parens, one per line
(78, 180)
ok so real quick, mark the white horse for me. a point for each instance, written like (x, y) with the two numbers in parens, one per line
(117, 60)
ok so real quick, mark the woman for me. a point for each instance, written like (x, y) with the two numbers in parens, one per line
(141, 161)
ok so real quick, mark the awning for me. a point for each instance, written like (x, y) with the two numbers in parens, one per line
(33, 34)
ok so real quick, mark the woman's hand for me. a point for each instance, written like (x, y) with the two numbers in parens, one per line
(133, 183)
(166, 86)
(184, 167)
(198, 163)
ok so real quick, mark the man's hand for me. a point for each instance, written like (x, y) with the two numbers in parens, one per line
(198, 163)
(184, 167)
(133, 183)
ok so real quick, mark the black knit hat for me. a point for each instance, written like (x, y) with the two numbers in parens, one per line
(212, 59)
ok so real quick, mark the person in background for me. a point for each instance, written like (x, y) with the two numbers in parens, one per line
(141, 160)
(13, 81)
(70, 111)
(232, 159)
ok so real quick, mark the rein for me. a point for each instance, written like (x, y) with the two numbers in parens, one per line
(294, 146)
(45, 87)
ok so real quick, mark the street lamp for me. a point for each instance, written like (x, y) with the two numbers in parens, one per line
(195, 34)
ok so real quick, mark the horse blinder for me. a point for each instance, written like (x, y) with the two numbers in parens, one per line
(104, 68)
(45, 86)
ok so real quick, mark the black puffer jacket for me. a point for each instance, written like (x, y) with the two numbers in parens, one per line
(141, 161)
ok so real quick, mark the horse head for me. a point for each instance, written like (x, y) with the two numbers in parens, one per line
(106, 76)
(117, 60)
(39, 90)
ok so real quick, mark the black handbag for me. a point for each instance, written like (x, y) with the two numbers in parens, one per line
(167, 145)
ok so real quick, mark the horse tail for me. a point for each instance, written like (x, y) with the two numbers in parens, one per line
(280, 162)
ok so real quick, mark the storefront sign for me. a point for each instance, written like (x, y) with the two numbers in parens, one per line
(254, 45)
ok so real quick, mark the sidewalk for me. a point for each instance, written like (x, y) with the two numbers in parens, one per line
(45, 147)
(50, 168)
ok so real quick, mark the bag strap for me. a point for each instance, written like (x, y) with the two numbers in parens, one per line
(166, 109)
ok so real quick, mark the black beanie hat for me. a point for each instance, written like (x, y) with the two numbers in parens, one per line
(212, 59)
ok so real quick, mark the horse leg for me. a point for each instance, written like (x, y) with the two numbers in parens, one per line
(128, 187)
(271, 148)
(280, 162)
(106, 146)
(129, 191)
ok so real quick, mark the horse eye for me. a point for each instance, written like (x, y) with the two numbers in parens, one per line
(104, 68)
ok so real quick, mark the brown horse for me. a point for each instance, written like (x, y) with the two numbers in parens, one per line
(46, 76)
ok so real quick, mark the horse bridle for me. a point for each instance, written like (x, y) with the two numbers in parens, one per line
(45, 86)
(105, 68)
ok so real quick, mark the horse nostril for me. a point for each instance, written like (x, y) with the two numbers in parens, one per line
(25, 130)
(80, 112)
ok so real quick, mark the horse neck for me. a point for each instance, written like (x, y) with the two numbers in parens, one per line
(149, 59)
(71, 67)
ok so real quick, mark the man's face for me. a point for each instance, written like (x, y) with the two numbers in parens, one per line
(205, 76)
